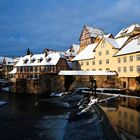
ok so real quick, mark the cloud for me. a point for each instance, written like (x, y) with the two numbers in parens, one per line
(57, 24)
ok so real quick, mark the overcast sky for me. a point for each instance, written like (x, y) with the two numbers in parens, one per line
(56, 24)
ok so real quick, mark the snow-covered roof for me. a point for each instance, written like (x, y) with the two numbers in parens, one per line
(122, 41)
(75, 48)
(39, 59)
(1, 60)
(107, 35)
(80, 72)
(14, 71)
(8, 60)
(131, 47)
(72, 51)
(113, 42)
(94, 31)
(117, 43)
(87, 53)
(127, 30)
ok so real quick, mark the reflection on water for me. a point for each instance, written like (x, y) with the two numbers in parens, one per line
(124, 115)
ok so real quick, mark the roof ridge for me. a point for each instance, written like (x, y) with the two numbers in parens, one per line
(95, 27)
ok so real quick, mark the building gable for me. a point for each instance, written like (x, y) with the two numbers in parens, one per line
(85, 36)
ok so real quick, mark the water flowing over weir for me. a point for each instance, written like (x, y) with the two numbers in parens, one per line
(34, 118)
(86, 128)
(57, 127)
(53, 126)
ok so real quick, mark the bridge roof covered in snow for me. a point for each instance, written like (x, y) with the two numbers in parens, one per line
(80, 72)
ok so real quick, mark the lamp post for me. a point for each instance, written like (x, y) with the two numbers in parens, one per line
(93, 85)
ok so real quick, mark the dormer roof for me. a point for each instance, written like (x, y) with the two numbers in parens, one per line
(40, 59)
(128, 30)
(132, 47)
(87, 53)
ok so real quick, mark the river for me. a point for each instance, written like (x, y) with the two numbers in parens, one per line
(124, 115)
(26, 117)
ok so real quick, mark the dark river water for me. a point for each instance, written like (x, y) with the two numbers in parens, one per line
(26, 117)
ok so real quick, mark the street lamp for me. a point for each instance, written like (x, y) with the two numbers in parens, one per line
(93, 85)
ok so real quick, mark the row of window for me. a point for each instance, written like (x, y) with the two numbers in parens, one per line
(131, 59)
(93, 62)
(38, 60)
(130, 69)
(100, 69)
(100, 52)
(29, 76)
(36, 69)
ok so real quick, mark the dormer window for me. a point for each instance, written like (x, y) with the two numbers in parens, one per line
(40, 60)
(103, 44)
(124, 32)
(48, 59)
(32, 60)
(25, 61)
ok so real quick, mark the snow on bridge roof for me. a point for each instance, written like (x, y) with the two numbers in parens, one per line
(80, 72)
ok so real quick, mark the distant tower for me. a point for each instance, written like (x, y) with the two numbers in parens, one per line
(28, 51)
